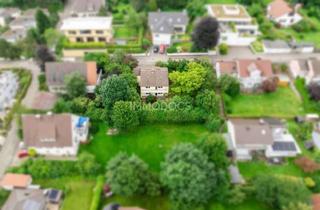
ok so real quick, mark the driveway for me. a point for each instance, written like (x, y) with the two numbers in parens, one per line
(11, 143)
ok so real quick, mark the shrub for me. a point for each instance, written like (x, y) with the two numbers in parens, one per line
(309, 182)
(32, 152)
(172, 49)
(223, 49)
(42, 82)
(150, 99)
(314, 90)
(307, 165)
(270, 85)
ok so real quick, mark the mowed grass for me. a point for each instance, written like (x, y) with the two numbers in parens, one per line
(254, 168)
(79, 191)
(149, 142)
(282, 103)
(124, 32)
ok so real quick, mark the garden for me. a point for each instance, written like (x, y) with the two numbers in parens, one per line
(282, 103)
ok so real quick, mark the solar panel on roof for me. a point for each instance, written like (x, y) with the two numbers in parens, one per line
(284, 146)
(53, 194)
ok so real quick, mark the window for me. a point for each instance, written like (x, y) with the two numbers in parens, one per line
(156, 35)
(99, 32)
(72, 32)
(79, 39)
(147, 86)
(85, 32)
(90, 39)
(102, 39)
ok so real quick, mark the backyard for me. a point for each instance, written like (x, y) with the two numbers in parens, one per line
(156, 138)
(282, 103)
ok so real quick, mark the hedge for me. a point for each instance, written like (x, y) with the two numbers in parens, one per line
(25, 78)
(97, 191)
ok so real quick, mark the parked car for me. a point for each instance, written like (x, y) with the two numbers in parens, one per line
(162, 49)
(155, 49)
(23, 154)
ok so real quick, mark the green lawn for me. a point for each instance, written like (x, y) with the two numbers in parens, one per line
(123, 32)
(282, 103)
(253, 168)
(309, 105)
(150, 142)
(79, 191)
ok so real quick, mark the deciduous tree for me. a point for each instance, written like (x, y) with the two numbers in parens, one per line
(75, 84)
(206, 34)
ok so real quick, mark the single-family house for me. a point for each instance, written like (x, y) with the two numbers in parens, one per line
(164, 25)
(237, 28)
(86, 8)
(7, 15)
(33, 199)
(20, 25)
(9, 85)
(87, 29)
(153, 81)
(12, 181)
(57, 71)
(268, 136)
(251, 73)
(281, 12)
(54, 134)
(309, 69)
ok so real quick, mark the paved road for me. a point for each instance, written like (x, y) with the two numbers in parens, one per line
(11, 144)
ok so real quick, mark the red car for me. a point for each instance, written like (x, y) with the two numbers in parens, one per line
(162, 49)
(23, 154)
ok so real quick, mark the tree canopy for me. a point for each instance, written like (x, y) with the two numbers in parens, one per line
(206, 34)
(75, 84)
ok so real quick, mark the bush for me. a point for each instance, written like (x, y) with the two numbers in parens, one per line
(42, 83)
(172, 49)
(309, 182)
(314, 90)
(307, 165)
(270, 85)
(223, 49)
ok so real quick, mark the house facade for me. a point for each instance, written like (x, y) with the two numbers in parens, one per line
(164, 25)
(87, 29)
(153, 81)
(250, 73)
(236, 25)
(268, 137)
(309, 69)
(9, 85)
(56, 72)
(281, 12)
(55, 134)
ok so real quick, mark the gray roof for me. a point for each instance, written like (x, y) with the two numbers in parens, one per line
(154, 77)
(316, 66)
(252, 132)
(56, 71)
(278, 44)
(14, 35)
(83, 6)
(164, 22)
(8, 12)
(27, 199)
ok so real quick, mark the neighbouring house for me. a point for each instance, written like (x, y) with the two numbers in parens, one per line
(309, 69)
(86, 8)
(33, 199)
(7, 15)
(281, 12)
(9, 85)
(164, 25)
(251, 73)
(315, 201)
(20, 25)
(237, 28)
(54, 134)
(12, 181)
(283, 47)
(276, 46)
(87, 29)
(153, 81)
(56, 72)
(267, 136)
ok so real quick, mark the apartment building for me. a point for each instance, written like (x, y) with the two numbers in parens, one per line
(87, 29)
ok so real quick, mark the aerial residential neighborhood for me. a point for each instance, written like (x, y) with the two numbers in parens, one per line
(159, 105)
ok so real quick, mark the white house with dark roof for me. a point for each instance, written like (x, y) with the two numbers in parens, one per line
(153, 81)
(281, 12)
(268, 136)
(164, 25)
(237, 28)
(54, 134)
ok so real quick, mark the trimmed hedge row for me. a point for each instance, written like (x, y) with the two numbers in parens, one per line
(97, 191)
